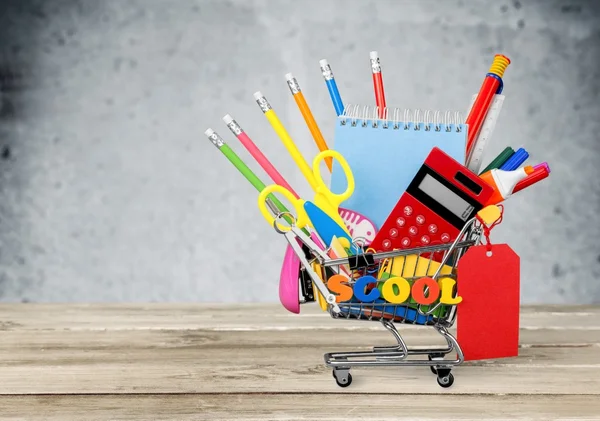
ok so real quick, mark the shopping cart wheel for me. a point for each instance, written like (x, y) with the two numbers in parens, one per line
(431, 357)
(343, 378)
(446, 381)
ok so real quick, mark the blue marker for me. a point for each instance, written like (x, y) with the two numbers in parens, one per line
(332, 87)
(516, 160)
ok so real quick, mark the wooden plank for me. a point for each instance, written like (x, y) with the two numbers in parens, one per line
(126, 362)
(210, 339)
(239, 317)
(326, 407)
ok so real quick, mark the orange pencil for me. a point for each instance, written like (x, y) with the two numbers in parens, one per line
(308, 117)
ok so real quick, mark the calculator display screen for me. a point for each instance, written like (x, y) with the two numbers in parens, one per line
(446, 197)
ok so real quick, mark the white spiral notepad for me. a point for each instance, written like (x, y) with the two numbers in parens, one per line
(385, 154)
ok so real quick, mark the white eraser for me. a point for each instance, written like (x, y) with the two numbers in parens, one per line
(209, 132)
(373, 55)
(323, 63)
(289, 76)
(227, 119)
(258, 95)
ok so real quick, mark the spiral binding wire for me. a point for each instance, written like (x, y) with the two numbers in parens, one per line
(416, 119)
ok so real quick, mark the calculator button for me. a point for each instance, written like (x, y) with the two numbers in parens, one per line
(413, 230)
(386, 244)
(432, 228)
(393, 233)
(400, 222)
(425, 239)
(445, 237)
(408, 210)
(420, 219)
(405, 242)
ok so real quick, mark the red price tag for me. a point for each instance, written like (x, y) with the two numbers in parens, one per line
(488, 316)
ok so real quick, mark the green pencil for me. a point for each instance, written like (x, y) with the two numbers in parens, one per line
(274, 204)
(500, 159)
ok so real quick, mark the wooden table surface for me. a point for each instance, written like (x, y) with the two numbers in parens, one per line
(258, 362)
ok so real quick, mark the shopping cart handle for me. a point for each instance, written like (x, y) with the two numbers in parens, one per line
(489, 214)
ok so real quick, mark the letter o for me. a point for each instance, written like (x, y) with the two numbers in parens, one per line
(418, 291)
(389, 292)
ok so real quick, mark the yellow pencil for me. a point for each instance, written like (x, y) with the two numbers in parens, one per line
(308, 116)
(286, 139)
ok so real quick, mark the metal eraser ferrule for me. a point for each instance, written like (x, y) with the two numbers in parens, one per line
(234, 127)
(263, 104)
(293, 85)
(327, 72)
(216, 139)
(375, 65)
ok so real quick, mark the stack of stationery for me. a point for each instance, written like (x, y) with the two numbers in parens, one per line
(406, 186)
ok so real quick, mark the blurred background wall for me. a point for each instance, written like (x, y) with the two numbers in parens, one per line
(109, 190)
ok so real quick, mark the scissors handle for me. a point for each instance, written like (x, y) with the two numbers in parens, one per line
(301, 217)
(322, 188)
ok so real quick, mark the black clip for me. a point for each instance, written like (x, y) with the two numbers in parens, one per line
(361, 261)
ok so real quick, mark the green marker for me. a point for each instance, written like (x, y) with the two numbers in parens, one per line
(499, 160)
(274, 204)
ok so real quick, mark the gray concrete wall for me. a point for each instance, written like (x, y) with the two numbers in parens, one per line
(109, 190)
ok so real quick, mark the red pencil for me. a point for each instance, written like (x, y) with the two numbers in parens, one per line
(488, 89)
(378, 84)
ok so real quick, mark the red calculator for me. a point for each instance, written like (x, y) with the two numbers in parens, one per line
(439, 201)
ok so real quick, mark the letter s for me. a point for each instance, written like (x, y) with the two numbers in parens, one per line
(342, 292)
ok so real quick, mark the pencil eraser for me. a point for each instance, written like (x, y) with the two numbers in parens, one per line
(289, 76)
(374, 55)
(209, 132)
(323, 63)
(258, 95)
(227, 119)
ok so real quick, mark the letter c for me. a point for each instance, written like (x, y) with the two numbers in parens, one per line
(359, 289)
(342, 292)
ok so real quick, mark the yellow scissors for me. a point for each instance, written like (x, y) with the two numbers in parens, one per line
(324, 198)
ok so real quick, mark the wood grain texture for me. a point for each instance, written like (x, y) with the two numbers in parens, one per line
(166, 361)
(309, 407)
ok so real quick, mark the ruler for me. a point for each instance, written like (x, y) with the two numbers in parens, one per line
(475, 160)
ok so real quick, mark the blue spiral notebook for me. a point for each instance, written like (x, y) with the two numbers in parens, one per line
(385, 155)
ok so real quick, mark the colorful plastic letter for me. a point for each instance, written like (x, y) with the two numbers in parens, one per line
(389, 292)
(418, 291)
(447, 288)
(341, 291)
(359, 289)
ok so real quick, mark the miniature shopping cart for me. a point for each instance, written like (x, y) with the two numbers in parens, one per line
(411, 264)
